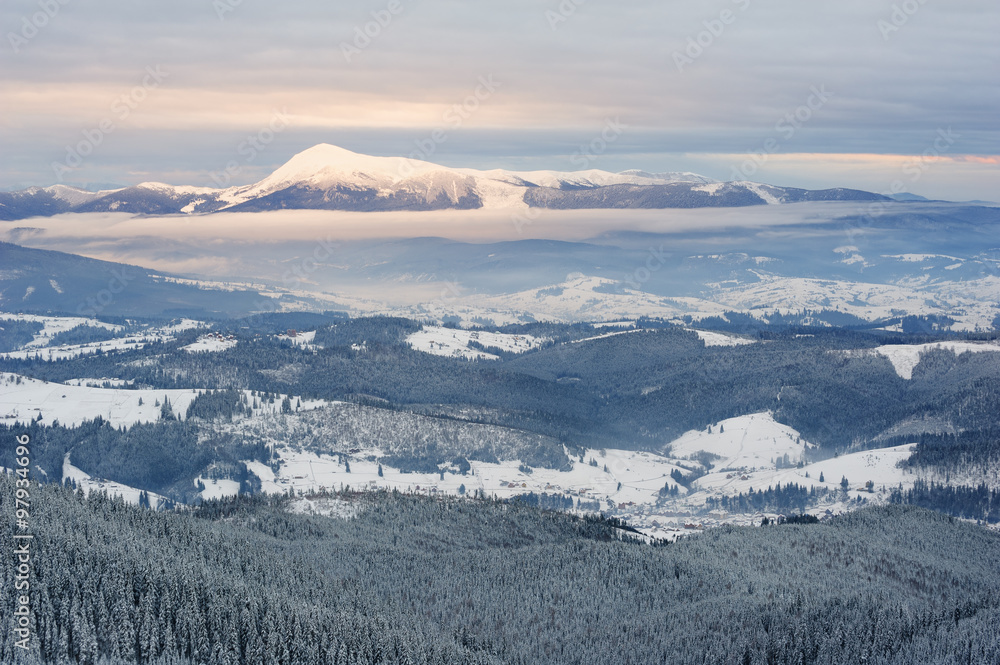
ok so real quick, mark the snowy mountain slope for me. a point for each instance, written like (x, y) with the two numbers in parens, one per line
(66, 351)
(328, 177)
(41, 281)
(53, 325)
(88, 484)
(630, 484)
(41, 347)
(718, 339)
(579, 298)
(905, 357)
(209, 343)
(74, 196)
(454, 343)
(880, 466)
(745, 443)
(972, 303)
(24, 399)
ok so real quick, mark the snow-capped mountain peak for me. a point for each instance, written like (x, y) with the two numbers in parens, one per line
(324, 162)
(328, 177)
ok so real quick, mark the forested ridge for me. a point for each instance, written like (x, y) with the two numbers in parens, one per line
(633, 391)
(627, 391)
(419, 580)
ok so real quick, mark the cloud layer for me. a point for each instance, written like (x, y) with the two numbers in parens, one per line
(377, 76)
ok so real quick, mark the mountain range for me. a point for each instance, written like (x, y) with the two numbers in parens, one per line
(326, 177)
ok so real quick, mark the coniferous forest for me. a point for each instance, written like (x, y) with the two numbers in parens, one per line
(418, 580)
(411, 578)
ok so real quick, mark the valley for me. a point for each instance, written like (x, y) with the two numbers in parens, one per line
(585, 418)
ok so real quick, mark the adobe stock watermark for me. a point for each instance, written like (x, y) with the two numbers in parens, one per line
(900, 16)
(98, 302)
(656, 260)
(786, 127)
(295, 276)
(22, 543)
(34, 24)
(526, 217)
(584, 156)
(914, 169)
(250, 147)
(532, 213)
(223, 7)
(990, 262)
(453, 118)
(587, 154)
(366, 34)
(121, 108)
(562, 13)
(451, 291)
(700, 42)
(299, 274)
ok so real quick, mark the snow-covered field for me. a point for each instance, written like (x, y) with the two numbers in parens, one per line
(746, 442)
(89, 484)
(209, 343)
(98, 383)
(972, 303)
(878, 466)
(905, 357)
(68, 351)
(620, 476)
(218, 488)
(24, 401)
(329, 506)
(38, 347)
(750, 450)
(180, 326)
(613, 324)
(606, 335)
(719, 339)
(53, 325)
(454, 342)
(303, 339)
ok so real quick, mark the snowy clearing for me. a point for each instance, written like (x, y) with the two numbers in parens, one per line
(303, 339)
(878, 466)
(210, 343)
(454, 343)
(720, 339)
(606, 335)
(89, 484)
(217, 488)
(99, 383)
(905, 357)
(746, 443)
(70, 351)
(24, 401)
(53, 325)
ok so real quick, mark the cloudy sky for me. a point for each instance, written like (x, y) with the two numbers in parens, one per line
(858, 93)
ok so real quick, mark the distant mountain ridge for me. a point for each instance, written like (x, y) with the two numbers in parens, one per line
(42, 281)
(326, 177)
